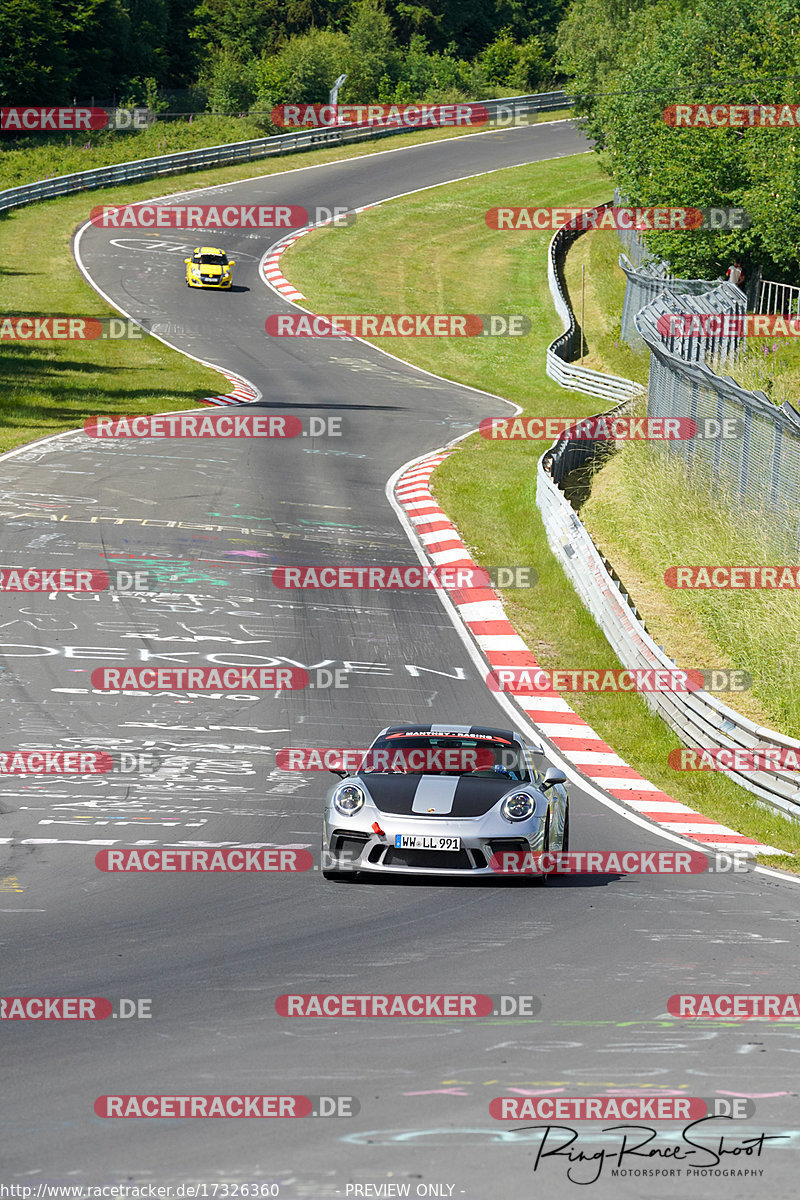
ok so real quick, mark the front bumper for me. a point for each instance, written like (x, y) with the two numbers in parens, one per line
(350, 844)
(218, 285)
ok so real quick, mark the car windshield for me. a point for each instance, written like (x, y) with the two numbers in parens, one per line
(481, 757)
(212, 260)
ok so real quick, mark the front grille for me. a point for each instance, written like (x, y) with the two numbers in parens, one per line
(348, 842)
(498, 845)
(441, 860)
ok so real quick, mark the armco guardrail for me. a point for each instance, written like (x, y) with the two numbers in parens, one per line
(210, 156)
(698, 718)
(560, 352)
(643, 284)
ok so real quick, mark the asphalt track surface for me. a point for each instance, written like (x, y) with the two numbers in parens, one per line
(213, 952)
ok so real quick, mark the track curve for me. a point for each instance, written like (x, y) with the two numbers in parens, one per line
(214, 953)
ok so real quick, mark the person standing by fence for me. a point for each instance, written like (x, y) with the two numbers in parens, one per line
(735, 274)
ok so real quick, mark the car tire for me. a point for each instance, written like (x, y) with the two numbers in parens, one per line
(336, 873)
(541, 880)
(565, 834)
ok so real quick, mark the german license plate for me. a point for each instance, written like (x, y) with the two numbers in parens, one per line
(418, 841)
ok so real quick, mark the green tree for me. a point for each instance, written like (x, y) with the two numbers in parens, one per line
(243, 29)
(179, 50)
(250, 28)
(100, 47)
(372, 52)
(303, 72)
(594, 37)
(687, 54)
(33, 57)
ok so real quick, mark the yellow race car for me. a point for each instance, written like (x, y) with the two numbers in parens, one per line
(209, 267)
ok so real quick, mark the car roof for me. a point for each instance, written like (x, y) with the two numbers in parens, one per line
(478, 731)
(208, 250)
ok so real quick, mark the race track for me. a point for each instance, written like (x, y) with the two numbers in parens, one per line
(213, 952)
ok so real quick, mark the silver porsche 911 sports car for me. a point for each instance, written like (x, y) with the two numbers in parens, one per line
(444, 800)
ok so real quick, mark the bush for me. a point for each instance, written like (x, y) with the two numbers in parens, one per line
(229, 84)
(518, 65)
(143, 92)
(499, 60)
(533, 71)
(303, 72)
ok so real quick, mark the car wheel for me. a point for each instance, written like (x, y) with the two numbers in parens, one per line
(335, 872)
(541, 880)
(565, 834)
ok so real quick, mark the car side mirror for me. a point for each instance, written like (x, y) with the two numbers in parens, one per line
(553, 776)
(187, 261)
(232, 263)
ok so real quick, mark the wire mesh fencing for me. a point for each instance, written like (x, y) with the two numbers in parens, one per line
(745, 447)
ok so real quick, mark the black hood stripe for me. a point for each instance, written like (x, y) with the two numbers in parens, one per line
(473, 796)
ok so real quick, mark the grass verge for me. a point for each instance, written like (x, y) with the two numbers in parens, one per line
(451, 262)
(593, 260)
(48, 387)
(675, 521)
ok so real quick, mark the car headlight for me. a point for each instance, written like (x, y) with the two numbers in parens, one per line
(195, 270)
(348, 799)
(518, 807)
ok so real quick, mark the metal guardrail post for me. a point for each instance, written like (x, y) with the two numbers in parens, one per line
(562, 349)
